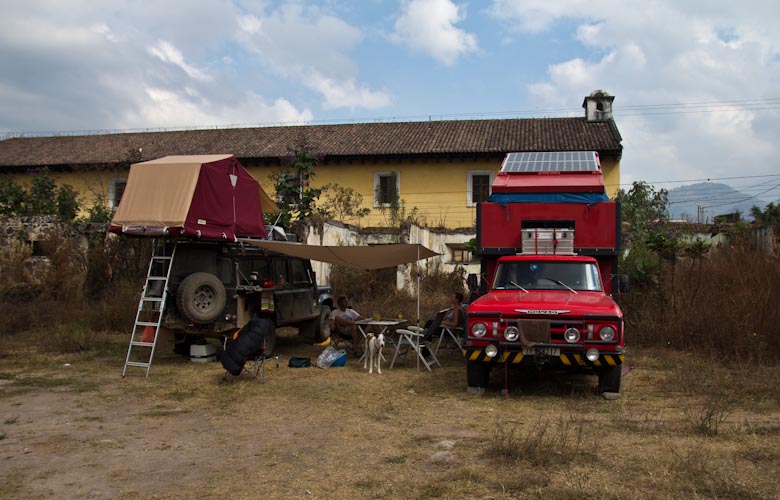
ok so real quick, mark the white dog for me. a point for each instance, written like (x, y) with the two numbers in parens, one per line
(374, 355)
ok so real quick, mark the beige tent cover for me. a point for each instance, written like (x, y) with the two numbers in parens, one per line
(363, 257)
(145, 203)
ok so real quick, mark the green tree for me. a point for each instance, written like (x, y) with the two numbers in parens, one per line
(12, 198)
(295, 195)
(42, 196)
(67, 203)
(646, 234)
(769, 216)
(344, 203)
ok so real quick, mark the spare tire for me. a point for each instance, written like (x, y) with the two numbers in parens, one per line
(201, 297)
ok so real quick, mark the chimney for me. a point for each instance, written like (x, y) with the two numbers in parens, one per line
(598, 106)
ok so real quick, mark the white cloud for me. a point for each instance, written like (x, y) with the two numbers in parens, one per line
(170, 54)
(428, 26)
(84, 66)
(667, 52)
(346, 94)
(166, 108)
(310, 46)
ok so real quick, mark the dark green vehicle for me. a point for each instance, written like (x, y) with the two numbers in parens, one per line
(216, 287)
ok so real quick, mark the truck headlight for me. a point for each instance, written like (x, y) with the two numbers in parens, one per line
(491, 351)
(511, 333)
(479, 329)
(607, 334)
(592, 354)
(571, 335)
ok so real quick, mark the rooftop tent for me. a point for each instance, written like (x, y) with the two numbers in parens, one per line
(206, 196)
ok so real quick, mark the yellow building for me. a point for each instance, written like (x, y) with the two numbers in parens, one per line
(440, 169)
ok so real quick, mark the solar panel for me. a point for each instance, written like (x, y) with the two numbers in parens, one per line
(553, 161)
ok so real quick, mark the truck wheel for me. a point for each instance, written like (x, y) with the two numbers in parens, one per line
(323, 324)
(201, 297)
(609, 379)
(477, 374)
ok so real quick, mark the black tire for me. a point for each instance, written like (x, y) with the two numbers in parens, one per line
(478, 374)
(609, 379)
(313, 329)
(270, 339)
(201, 297)
(323, 324)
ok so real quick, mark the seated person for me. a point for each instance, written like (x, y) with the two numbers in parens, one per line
(452, 318)
(342, 323)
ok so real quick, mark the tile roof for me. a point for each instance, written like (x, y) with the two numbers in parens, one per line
(330, 141)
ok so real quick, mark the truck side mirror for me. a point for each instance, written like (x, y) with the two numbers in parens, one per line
(472, 283)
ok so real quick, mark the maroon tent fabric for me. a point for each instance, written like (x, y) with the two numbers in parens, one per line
(207, 196)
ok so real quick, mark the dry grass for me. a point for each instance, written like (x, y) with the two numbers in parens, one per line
(723, 306)
(340, 433)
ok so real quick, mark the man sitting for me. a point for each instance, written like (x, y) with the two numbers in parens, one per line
(342, 323)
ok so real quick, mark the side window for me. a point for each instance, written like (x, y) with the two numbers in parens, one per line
(386, 188)
(116, 188)
(298, 272)
(248, 266)
(280, 271)
(478, 186)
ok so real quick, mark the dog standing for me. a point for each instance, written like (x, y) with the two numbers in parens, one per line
(374, 355)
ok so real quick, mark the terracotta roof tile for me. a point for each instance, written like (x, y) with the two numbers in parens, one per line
(346, 140)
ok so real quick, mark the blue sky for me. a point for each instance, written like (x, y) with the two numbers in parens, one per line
(696, 83)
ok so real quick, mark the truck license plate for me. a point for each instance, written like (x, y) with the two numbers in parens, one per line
(541, 351)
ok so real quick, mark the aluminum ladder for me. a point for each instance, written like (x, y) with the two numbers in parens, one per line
(151, 306)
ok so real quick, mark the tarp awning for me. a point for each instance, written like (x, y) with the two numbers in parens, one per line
(363, 257)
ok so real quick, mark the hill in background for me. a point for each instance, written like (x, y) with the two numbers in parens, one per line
(703, 201)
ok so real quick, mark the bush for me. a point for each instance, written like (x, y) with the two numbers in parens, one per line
(723, 306)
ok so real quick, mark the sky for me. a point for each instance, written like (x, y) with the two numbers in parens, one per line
(696, 82)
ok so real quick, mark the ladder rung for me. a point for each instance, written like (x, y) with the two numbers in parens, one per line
(137, 363)
(152, 299)
(161, 257)
(143, 344)
(157, 278)
(145, 323)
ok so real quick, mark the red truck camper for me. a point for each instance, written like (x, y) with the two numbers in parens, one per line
(549, 239)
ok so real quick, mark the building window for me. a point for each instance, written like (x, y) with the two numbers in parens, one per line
(116, 188)
(479, 182)
(387, 188)
(459, 253)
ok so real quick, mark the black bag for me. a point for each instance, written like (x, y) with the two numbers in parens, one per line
(299, 363)
(249, 343)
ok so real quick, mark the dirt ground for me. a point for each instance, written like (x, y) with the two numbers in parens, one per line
(71, 427)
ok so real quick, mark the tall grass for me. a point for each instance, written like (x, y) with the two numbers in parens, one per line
(724, 306)
(78, 281)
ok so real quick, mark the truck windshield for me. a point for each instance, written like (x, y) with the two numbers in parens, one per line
(530, 275)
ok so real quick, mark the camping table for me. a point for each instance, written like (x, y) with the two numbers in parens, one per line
(383, 325)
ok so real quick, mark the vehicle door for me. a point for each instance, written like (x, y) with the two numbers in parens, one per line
(302, 289)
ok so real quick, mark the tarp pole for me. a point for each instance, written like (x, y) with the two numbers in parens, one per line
(417, 263)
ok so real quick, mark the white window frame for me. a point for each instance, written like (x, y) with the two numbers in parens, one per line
(377, 176)
(470, 184)
(112, 191)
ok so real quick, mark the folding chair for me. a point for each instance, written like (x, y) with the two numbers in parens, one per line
(246, 346)
(456, 333)
(414, 341)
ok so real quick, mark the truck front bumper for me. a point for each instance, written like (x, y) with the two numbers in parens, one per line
(565, 356)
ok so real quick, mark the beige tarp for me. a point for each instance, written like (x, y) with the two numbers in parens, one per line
(162, 196)
(143, 203)
(363, 257)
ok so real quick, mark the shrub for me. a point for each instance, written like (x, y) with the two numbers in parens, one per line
(724, 306)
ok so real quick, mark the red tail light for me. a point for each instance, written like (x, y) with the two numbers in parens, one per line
(268, 284)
